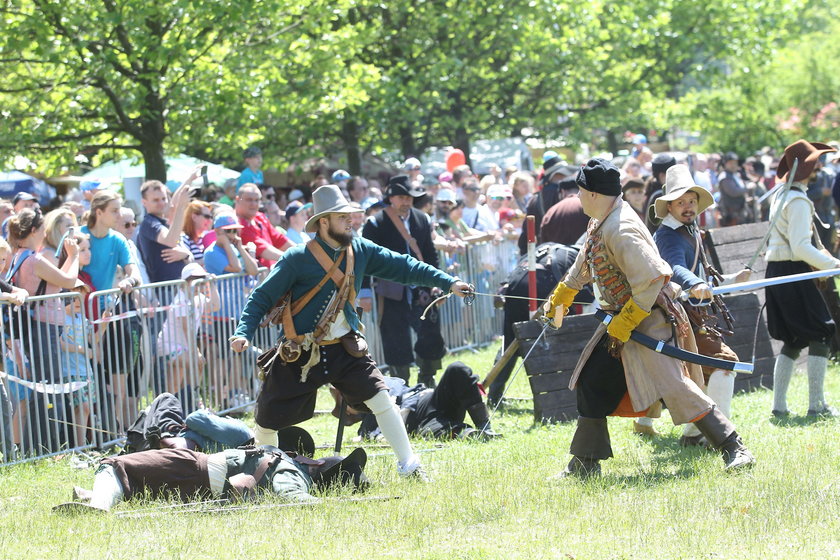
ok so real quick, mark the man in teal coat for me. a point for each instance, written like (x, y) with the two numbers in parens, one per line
(322, 340)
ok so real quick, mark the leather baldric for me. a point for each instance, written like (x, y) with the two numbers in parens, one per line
(391, 212)
(346, 290)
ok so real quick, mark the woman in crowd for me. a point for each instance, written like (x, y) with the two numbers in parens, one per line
(196, 226)
(56, 223)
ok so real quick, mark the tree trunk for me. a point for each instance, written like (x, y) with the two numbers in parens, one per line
(154, 159)
(407, 143)
(350, 138)
(612, 143)
(461, 139)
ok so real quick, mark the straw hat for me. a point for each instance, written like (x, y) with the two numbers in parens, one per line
(327, 200)
(678, 181)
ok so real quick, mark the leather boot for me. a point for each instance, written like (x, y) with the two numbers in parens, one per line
(721, 434)
(427, 378)
(590, 444)
(481, 418)
(403, 372)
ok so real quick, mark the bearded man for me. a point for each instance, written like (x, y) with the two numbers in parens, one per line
(322, 341)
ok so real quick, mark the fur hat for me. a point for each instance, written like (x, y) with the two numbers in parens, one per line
(600, 176)
(807, 153)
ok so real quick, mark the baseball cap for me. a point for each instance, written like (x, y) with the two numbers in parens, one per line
(411, 164)
(296, 194)
(340, 175)
(226, 221)
(496, 191)
(445, 177)
(192, 270)
(445, 195)
(22, 196)
(92, 185)
(295, 206)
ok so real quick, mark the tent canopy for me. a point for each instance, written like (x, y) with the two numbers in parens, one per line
(13, 182)
(178, 168)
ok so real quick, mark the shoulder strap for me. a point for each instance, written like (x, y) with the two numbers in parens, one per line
(331, 271)
(17, 263)
(398, 223)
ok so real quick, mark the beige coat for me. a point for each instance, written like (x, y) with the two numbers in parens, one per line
(631, 252)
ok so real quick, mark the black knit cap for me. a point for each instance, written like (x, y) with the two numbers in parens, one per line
(661, 163)
(600, 176)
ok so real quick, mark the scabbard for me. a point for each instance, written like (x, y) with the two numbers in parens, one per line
(661, 347)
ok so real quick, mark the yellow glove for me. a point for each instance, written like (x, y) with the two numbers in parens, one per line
(628, 319)
(561, 296)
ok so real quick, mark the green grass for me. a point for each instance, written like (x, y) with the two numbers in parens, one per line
(492, 500)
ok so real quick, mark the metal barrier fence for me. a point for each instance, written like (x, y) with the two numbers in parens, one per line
(77, 370)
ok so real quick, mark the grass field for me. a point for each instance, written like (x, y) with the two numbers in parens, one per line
(655, 500)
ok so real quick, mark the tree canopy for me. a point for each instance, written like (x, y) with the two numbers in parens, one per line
(306, 78)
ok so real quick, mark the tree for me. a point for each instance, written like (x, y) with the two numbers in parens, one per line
(145, 76)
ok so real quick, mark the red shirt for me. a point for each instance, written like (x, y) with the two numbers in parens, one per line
(261, 233)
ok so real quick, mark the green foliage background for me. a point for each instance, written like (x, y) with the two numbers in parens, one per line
(304, 79)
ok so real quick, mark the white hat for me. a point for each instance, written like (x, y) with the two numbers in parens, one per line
(678, 181)
(327, 200)
(191, 270)
(446, 195)
(295, 195)
(411, 164)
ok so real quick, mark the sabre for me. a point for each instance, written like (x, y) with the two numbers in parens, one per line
(753, 285)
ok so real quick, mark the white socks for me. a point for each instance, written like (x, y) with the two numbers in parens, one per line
(816, 381)
(107, 488)
(782, 372)
(264, 436)
(720, 388)
(393, 429)
(645, 421)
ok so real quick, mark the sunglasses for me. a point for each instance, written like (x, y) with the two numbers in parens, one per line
(130, 224)
(269, 197)
(207, 216)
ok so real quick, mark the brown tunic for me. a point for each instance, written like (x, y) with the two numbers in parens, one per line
(163, 471)
(621, 257)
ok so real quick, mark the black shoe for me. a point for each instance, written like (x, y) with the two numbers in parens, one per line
(694, 441)
(580, 467)
(735, 454)
(781, 413)
(826, 412)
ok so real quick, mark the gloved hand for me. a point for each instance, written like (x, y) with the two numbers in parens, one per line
(561, 296)
(628, 319)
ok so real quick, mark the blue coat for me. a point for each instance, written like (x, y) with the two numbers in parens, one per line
(298, 271)
(677, 250)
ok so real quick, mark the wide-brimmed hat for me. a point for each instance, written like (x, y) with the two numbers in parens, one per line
(296, 439)
(555, 165)
(678, 181)
(401, 185)
(808, 154)
(327, 200)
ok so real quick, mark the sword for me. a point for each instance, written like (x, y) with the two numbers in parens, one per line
(662, 347)
(753, 285)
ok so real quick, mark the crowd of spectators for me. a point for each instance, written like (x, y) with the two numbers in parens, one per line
(98, 242)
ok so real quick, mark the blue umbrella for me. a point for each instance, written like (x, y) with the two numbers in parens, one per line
(13, 182)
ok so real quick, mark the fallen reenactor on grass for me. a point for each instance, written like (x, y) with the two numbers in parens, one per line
(234, 474)
(432, 413)
(163, 424)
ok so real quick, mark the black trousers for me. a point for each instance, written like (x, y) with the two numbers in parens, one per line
(601, 384)
(442, 413)
(398, 318)
(285, 400)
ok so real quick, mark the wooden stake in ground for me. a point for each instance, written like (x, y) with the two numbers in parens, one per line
(508, 355)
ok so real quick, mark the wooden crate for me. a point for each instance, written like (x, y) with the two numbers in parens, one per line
(550, 365)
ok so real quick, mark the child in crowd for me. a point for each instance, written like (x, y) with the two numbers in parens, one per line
(12, 295)
(76, 338)
(177, 340)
